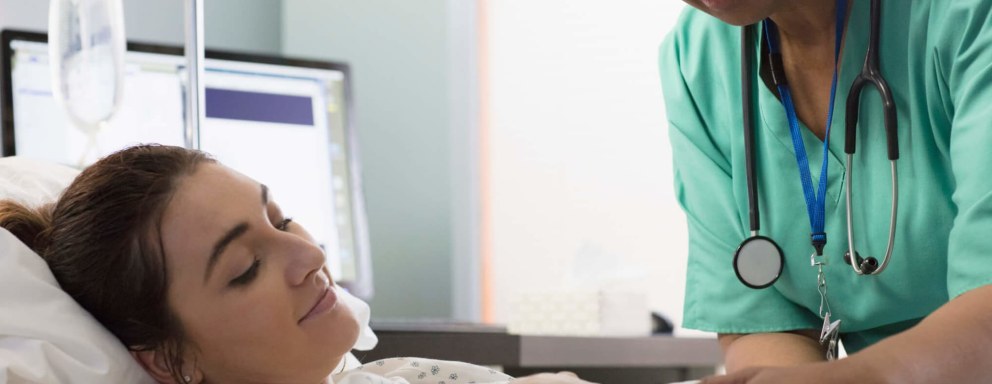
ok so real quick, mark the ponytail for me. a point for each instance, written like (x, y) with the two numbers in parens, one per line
(30, 225)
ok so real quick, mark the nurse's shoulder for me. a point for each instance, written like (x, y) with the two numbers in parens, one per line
(699, 41)
(699, 63)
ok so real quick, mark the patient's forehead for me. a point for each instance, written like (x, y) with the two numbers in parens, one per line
(211, 190)
(205, 205)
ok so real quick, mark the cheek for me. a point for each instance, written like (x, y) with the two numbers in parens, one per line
(254, 335)
(235, 318)
(251, 333)
(240, 318)
(242, 336)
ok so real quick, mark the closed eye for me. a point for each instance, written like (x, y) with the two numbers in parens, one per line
(248, 276)
(283, 224)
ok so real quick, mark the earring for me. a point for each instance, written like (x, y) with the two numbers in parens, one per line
(186, 378)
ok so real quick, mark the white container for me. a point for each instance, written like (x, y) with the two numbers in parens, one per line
(580, 313)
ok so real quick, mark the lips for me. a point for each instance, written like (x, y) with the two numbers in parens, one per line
(326, 300)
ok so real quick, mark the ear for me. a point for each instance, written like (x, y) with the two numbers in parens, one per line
(154, 363)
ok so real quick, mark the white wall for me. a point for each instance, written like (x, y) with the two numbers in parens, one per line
(580, 168)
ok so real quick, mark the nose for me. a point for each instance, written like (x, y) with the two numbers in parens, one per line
(304, 259)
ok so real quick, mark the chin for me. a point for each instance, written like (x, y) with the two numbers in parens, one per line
(337, 332)
(737, 19)
(733, 12)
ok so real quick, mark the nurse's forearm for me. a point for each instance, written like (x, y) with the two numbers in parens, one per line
(770, 349)
(952, 345)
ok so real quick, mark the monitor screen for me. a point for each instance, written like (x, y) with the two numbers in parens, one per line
(285, 123)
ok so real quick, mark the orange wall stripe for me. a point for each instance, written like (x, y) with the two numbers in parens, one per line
(485, 198)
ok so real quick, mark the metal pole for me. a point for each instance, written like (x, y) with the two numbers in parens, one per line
(194, 72)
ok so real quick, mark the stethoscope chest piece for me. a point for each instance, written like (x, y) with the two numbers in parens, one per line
(758, 262)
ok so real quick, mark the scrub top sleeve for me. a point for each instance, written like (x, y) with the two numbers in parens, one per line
(715, 300)
(965, 60)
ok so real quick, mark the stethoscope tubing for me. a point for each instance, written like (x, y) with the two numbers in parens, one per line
(747, 89)
(850, 218)
(871, 74)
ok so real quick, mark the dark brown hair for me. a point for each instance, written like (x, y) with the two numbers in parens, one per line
(102, 241)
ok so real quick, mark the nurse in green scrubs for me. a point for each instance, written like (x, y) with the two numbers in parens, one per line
(928, 317)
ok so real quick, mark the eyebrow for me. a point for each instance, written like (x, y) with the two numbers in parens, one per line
(229, 238)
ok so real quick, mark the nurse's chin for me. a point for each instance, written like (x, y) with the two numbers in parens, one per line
(733, 12)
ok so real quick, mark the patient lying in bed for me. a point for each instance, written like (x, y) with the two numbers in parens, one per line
(196, 270)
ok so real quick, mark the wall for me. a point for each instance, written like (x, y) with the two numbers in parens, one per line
(579, 174)
(249, 25)
(412, 119)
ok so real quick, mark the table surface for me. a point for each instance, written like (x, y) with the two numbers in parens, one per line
(491, 345)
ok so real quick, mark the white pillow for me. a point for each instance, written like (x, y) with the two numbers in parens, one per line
(45, 337)
(33, 182)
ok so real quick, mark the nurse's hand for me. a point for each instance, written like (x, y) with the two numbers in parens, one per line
(551, 378)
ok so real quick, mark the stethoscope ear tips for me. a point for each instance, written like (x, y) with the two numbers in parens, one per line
(868, 266)
(847, 257)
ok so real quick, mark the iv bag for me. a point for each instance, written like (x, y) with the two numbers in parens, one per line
(86, 49)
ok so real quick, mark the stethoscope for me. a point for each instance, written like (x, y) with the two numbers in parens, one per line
(758, 261)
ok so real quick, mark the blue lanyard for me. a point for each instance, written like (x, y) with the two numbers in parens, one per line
(815, 203)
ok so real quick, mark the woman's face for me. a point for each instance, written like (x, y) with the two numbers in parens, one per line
(253, 295)
(737, 12)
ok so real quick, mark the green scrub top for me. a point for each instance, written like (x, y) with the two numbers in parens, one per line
(937, 58)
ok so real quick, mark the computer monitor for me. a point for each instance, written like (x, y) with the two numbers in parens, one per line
(286, 123)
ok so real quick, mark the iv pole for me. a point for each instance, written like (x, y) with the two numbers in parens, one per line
(194, 72)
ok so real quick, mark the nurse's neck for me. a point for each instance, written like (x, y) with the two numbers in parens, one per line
(806, 31)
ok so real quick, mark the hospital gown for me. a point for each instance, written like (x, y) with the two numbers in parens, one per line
(411, 370)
